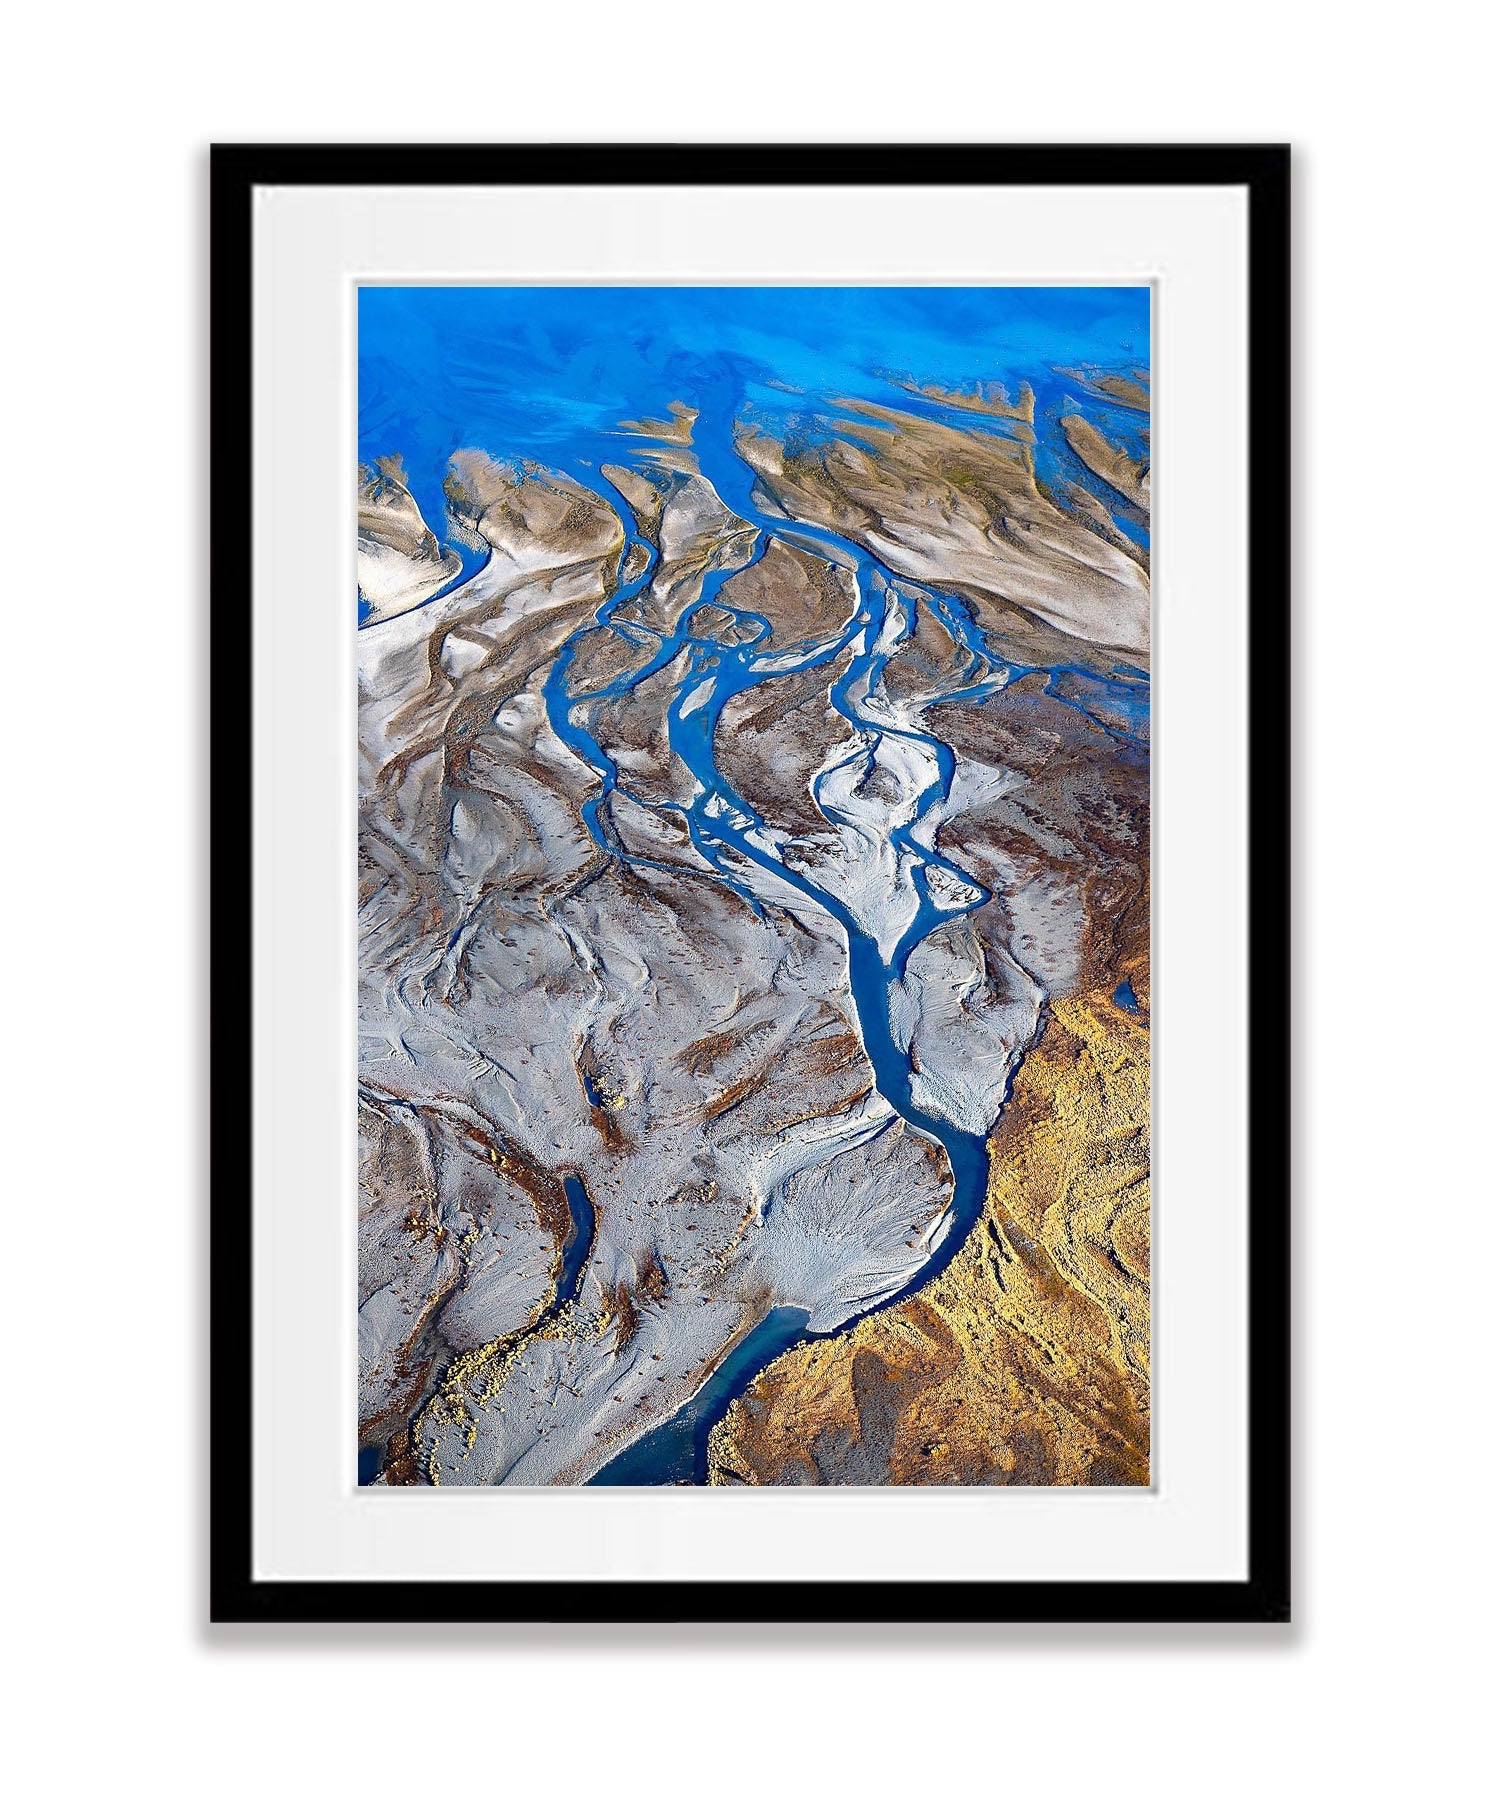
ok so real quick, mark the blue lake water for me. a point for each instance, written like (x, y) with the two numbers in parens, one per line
(549, 374)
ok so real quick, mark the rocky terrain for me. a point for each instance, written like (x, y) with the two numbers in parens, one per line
(751, 854)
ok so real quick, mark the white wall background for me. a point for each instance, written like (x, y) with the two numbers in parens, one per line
(1380, 1687)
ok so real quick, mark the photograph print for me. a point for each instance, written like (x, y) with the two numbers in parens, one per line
(754, 948)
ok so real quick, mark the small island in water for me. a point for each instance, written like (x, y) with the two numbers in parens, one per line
(754, 886)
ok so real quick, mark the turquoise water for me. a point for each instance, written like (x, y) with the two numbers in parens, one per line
(549, 374)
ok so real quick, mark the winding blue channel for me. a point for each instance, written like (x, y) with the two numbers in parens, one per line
(503, 369)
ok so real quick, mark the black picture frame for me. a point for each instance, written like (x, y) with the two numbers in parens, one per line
(1263, 172)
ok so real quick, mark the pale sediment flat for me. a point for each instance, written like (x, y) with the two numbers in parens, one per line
(400, 561)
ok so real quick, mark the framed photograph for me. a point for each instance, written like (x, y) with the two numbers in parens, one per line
(750, 759)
